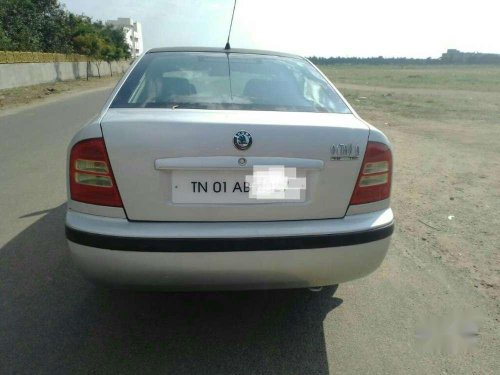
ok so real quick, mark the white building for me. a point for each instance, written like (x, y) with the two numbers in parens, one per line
(133, 34)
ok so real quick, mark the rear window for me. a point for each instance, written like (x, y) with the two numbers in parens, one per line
(227, 81)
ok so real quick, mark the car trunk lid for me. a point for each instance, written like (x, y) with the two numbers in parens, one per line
(182, 165)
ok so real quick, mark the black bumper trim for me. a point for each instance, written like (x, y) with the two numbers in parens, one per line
(227, 244)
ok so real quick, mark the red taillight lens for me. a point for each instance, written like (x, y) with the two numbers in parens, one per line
(374, 180)
(90, 176)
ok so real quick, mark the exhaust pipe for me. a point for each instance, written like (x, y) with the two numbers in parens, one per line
(316, 289)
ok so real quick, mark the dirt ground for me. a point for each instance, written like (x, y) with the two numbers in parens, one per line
(11, 98)
(441, 270)
(444, 124)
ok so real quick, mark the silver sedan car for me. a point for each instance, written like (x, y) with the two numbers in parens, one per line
(227, 169)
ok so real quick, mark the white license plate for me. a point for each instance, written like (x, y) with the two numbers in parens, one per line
(219, 187)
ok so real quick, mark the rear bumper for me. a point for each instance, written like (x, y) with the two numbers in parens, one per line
(249, 255)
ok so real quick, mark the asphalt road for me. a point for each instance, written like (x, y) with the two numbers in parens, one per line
(53, 321)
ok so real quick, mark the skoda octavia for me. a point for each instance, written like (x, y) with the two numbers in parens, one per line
(227, 169)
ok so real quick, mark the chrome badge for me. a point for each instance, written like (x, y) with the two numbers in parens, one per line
(242, 140)
(346, 151)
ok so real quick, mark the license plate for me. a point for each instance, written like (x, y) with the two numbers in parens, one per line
(217, 187)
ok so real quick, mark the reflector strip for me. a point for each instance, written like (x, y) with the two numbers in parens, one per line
(91, 166)
(93, 180)
(373, 180)
(376, 167)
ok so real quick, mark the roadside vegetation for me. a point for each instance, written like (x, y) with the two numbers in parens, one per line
(451, 56)
(45, 26)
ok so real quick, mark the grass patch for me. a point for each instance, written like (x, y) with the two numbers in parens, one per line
(25, 95)
(444, 93)
(467, 77)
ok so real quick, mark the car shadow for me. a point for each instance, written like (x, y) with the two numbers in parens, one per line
(54, 321)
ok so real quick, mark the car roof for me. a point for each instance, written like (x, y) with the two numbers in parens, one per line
(222, 50)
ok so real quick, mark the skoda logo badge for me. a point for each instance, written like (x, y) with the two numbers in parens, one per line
(242, 140)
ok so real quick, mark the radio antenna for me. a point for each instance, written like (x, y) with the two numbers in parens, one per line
(228, 46)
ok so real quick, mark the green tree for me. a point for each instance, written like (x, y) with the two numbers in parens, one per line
(45, 26)
(91, 46)
(108, 55)
(20, 25)
(116, 38)
(33, 25)
(5, 42)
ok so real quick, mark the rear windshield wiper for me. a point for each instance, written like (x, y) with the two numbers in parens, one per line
(175, 105)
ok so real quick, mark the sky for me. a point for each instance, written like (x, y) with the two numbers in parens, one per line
(364, 28)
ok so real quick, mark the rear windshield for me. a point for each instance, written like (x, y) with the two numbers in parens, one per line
(227, 81)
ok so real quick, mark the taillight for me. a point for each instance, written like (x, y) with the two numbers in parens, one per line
(374, 180)
(90, 175)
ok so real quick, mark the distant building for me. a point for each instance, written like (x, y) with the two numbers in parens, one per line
(133, 34)
(454, 56)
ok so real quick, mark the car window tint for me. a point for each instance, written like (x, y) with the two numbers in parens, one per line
(227, 81)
